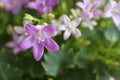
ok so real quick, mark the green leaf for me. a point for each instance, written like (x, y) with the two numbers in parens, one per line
(112, 34)
(53, 61)
(80, 59)
(7, 72)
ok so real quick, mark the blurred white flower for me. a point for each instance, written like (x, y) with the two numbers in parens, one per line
(113, 10)
(89, 24)
(70, 27)
(75, 13)
(57, 24)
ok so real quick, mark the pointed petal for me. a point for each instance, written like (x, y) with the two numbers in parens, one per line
(113, 3)
(86, 2)
(91, 15)
(116, 20)
(21, 37)
(81, 5)
(38, 50)
(51, 45)
(15, 36)
(19, 30)
(26, 43)
(49, 30)
(76, 22)
(76, 32)
(62, 27)
(67, 34)
(11, 44)
(107, 14)
(111, 78)
(96, 4)
(30, 29)
(16, 50)
(98, 12)
(87, 15)
(31, 5)
(65, 19)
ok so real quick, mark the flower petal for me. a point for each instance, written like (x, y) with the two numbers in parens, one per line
(65, 19)
(67, 34)
(31, 5)
(16, 50)
(51, 45)
(15, 36)
(76, 32)
(116, 20)
(111, 78)
(90, 15)
(76, 22)
(49, 30)
(87, 15)
(98, 12)
(107, 14)
(96, 4)
(30, 29)
(62, 27)
(113, 3)
(81, 5)
(86, 2)
(38, 50)
(26, 43)
(11, 44)
(19, 30)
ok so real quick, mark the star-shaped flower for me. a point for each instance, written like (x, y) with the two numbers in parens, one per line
(89, 9)
(70, 27)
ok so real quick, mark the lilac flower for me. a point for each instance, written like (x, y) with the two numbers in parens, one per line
(70, 27)
(19, 34)
(42, 5)
(111, 78)
(14, 44)
(89, 9)
(13, 5)
(39, 37)
(113, 10)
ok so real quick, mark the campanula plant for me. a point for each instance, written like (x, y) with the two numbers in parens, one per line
(60, 40)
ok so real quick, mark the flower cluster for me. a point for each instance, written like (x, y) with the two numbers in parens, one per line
(42, 6)
(13, 6)
(40, 35)
(35, 36)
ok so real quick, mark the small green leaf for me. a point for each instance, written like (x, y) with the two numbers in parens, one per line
(80, 59)
(112, 34)
(53, 61)
(7, 72)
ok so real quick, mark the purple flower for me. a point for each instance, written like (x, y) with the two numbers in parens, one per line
(89, 9)
(13, 5)
(113, 10)
(39, 37)
(111, 78)
(15, 42)
(42, 5)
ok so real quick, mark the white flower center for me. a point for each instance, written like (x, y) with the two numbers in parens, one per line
(89, 7)
(70, 26)
(41, 35)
